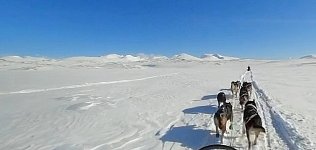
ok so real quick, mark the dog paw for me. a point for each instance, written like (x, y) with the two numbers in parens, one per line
(217, 135)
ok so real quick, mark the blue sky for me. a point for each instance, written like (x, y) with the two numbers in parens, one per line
(248, 28)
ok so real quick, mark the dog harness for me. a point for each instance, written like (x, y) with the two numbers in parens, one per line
(244, 94)
(252, 106)
(252, 111)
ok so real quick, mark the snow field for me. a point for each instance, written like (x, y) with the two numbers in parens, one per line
(149, 104)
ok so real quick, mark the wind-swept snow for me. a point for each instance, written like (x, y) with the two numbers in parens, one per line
(133, 102)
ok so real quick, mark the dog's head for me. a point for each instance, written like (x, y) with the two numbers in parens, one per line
(246, 84)
(234, 83)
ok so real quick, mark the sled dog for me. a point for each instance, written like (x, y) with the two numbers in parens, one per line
(252, 122)
(223, 114)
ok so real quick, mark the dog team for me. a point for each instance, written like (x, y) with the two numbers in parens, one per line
(252, 123)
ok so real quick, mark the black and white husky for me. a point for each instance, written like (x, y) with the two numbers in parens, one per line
(243, 97)
(248, 86)
(252, 122)
(223, 114)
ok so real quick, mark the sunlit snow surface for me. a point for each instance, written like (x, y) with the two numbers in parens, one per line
(132, 102)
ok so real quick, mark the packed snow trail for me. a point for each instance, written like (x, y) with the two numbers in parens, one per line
(235, 137)
(279, 133)
(195, 128)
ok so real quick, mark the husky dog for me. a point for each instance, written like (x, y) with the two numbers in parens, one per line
(248, 86)
(234, 88)
(252, 122)
(242, 100)
(221, 98)
(243, 96)
(223, 114)
(239, 84)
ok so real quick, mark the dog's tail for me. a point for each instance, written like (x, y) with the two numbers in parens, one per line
(259, 128)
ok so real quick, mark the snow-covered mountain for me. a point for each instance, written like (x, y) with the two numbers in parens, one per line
(125, 58)
(309, 57)
(113, 56)
(216, 57)
(107, 58)
(24, 59)
(186, 57)
(132, 58)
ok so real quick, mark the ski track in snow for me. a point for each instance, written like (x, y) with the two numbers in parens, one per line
(27, 91)
(285, 131)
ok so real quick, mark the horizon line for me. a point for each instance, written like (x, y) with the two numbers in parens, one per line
(150, 55)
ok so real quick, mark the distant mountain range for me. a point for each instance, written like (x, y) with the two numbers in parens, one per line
(132, 58)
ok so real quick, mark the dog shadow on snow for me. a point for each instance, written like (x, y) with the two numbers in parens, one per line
(209, 97)
(214, 96)
(208, 109)
(189, 137)
(192, 136)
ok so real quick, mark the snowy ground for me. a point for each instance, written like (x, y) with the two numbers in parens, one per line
(93, 103)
